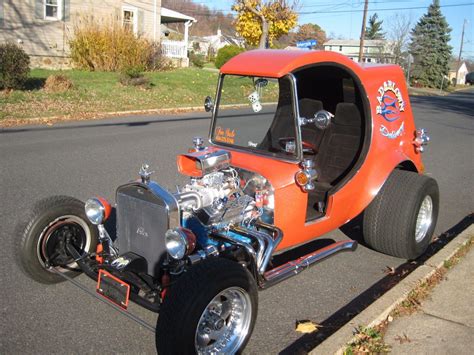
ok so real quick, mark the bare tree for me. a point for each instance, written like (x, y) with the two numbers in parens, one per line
(399, 36)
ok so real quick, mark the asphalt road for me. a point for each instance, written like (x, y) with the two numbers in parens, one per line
(86, 158)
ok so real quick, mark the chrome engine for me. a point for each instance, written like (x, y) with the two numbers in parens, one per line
(217, 199)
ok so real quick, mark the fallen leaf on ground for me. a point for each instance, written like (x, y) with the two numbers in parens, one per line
(306, 326)
(389, 270)
(403, 339)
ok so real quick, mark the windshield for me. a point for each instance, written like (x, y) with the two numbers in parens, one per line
(261, 117)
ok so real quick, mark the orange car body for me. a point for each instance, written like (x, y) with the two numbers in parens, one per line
(382, 157)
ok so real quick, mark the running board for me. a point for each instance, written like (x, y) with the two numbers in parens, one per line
(294, 267)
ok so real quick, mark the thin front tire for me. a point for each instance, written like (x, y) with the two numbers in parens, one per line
(42, 235)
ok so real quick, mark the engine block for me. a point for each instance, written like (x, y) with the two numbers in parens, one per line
(227, 212)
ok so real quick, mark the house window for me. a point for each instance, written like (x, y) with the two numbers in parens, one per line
(129, 18)
(340, 48)
(53, 10)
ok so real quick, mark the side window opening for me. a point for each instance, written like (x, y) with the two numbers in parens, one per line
(348, 90)
(337, 147)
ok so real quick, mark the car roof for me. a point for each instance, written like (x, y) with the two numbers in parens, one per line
(276, 63)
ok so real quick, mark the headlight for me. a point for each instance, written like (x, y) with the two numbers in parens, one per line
(179, 242)
(97, 210)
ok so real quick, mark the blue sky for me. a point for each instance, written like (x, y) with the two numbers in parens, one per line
(336, 18)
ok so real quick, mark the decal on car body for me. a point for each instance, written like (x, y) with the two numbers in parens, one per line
(394, 134)
(390, 101)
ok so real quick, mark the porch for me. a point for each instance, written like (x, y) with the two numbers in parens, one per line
(177, 50)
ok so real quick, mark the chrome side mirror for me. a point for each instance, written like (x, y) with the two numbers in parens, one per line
(208, 104)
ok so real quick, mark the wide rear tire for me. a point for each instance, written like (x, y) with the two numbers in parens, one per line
(40, 238)
(401, 219)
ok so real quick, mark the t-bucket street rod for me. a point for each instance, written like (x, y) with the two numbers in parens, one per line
(320, 141)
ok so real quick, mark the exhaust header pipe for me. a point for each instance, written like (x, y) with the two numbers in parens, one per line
(268, 241)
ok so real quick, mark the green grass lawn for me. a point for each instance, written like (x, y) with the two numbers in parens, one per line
(209, 65)
(96, 92)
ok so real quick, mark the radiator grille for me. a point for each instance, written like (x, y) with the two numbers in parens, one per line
(142, 220)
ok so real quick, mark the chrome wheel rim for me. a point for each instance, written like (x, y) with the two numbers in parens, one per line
(51, 228)
(225, 323)
(424, 218)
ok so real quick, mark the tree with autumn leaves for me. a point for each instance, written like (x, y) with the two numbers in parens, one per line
(310, 31)
(260, 22)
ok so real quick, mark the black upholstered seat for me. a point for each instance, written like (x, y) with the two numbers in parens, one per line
(340, 144)
(308, 107)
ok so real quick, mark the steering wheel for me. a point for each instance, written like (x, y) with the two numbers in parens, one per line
(309, 148)
(286, 146)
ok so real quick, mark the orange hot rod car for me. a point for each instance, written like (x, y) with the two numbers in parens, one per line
(314, 141)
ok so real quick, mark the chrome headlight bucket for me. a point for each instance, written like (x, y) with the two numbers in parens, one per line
(179, 242)
(97, 210)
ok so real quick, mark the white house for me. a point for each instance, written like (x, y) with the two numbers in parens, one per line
(177, 50)
(375, 51)
(43, 28)
(461, 73)
(202, 45)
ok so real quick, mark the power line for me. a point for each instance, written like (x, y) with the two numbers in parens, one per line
(229, 12)
(356, 5)
(385, 9)
(209, 3)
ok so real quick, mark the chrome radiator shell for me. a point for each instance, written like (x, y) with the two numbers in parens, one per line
(144, 213)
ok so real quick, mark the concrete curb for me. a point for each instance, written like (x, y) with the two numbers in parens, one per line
(378, 311)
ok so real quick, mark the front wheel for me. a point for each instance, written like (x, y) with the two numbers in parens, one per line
(210, 309)
(42, 235)
(400, 221)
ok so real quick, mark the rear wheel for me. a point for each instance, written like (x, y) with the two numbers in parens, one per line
(401, 219)
(210, 309)
(42, 238)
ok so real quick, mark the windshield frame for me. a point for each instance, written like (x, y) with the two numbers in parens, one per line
(296, 121)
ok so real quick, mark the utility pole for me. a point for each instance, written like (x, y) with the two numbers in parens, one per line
(362, 32)
(460, 50)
